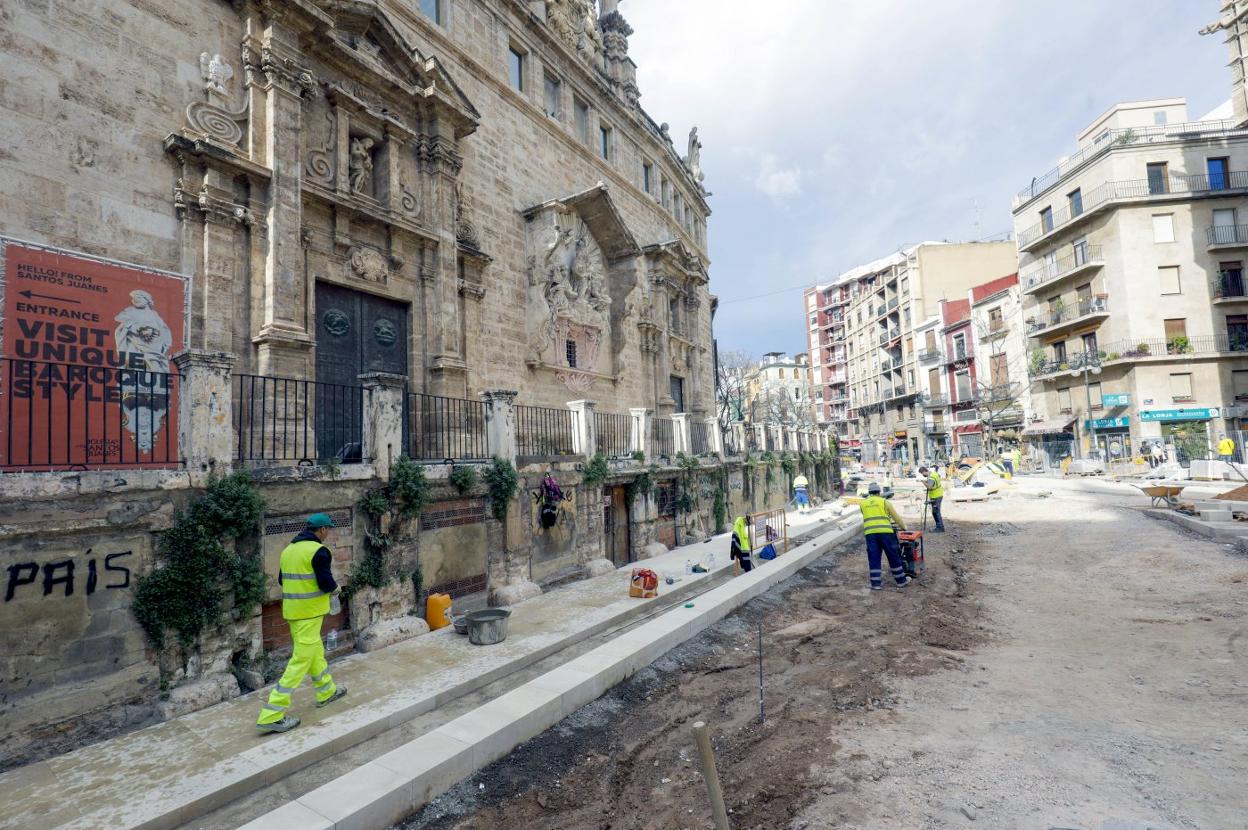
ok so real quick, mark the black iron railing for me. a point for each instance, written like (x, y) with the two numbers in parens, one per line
(731, 445)
(542, 432)
(1227, 234)
(442, 429)
(1065, 314)
(1060, 267)
(699, 437)
(280, 419)
(62, 416)
(664, 437)
(615, 434)
(1228, 285)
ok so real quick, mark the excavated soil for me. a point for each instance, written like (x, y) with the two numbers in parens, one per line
(832, 652)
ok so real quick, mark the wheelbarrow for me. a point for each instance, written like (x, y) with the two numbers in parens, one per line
(1162, 494)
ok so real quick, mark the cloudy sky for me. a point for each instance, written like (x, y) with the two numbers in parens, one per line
(836, 131)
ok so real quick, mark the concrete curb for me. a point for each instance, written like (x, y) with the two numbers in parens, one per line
(391, 787)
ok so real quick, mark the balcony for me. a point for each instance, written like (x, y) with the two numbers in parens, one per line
(1123, 137)
(880, 311)
(1226, 236)
(892, 304)
(894, 334)
(1157, 189)
(900, 391)
(996, 330)
(929, 355)
(1063, 318)
(957, 356)
(933, 427)
(883, 338)
(935, 401)
(1228, 288)
(1137, 351)
(1079, 261)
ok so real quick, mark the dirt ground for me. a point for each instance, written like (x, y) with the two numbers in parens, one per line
(1066, 662)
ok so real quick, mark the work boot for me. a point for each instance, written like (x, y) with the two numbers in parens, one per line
(938, 529)
(904, 582)
(341, 691)
(287, 723)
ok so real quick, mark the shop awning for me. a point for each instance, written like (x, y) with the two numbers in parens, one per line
(1048, 427)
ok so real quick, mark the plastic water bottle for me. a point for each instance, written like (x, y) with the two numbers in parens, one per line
(712, 562)
(331, 640)
(688, 567)
(335, 604)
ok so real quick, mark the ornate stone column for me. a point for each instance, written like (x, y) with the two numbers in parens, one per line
(276, 84)
(205, 406)
(383, 419)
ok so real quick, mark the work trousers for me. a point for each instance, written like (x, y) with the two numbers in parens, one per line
(937, 516)
(802, 499)
(1009, 465)
(887, 544)
(308, 658)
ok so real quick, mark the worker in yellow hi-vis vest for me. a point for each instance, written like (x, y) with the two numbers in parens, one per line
(307, 585)
(935, 495)
(880, 523)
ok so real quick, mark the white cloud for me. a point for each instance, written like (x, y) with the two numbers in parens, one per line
(776, 181)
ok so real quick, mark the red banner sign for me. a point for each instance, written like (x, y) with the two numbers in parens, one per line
(87, 381)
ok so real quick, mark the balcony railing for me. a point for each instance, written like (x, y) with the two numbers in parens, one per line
(1123, 137)
(880, 311)
(935, 401)
(1132, 350)
(1050, 271)
(892, 304)
(1228, 287)
(883, 337)
(957, 356)
(59, 416)
(1227, 235)
(894, 334)
(699, 437)
(542, 432)
(446, 428)
(929, 355)
(664, 437)
(1134, 189)
(1066, 315)
(614, 434)
(296, 421)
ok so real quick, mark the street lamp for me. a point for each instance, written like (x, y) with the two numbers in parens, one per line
(1091, 364)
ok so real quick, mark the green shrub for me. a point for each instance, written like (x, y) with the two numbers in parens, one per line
(502, 480)
(462, 479)
(596, 471)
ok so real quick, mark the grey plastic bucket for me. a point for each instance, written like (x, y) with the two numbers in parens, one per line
(487, 627)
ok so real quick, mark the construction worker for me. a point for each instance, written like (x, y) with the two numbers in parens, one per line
(307, 584)
(935, 494)
(740, 549)
(1226, 449)
(801, 493)
(878, 520)
(1016, 455)
(1007, 461)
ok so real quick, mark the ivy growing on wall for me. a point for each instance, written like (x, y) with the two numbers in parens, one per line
(687, 499)
(463, 479)
(596, 471)
(399, 501)
(643, 485)
(196, 573)
(502, 480)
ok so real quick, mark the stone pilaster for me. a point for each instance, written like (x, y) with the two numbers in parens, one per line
(681, 433)
(716, 447)
(584, 432)
(383, 419)
(500, 423)
(205, 406)
(760, 436)
(641, 429)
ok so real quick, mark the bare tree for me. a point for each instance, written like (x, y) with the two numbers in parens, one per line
(780, 405)
(730, 385)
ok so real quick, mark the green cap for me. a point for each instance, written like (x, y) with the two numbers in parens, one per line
(319, 520)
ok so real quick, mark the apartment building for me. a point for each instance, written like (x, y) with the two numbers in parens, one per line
(1131, 259)
(876, 308)
(778, 390)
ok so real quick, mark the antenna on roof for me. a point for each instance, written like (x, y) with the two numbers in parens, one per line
(975, 226)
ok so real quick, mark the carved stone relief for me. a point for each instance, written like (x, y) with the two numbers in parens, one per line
(575, 24)
(567, 288)
(368, 264)
(321, 133)
(211, 117)
(361, 165)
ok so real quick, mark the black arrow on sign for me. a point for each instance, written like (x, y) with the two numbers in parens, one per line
(29, 294)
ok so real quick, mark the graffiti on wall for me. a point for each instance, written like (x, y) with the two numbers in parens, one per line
(64, 577)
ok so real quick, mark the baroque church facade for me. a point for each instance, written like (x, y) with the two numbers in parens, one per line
(463, 192)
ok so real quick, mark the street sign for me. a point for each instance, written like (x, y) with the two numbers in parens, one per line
(1180, 414)
(1116, 400)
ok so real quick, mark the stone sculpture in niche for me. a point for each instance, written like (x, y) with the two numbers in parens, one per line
(575, 24)
(361, 165)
